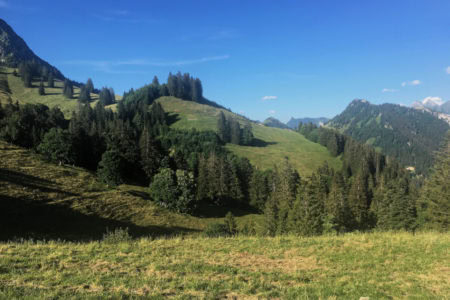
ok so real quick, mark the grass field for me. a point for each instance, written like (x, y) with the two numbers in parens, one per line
(43, 200)
(53, 96)
(275, 143)
(377, 265)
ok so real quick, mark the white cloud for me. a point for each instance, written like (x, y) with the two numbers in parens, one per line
(108, 66)
(272, 112)
(389, 90)
(448, 70)
(3, 4)
(412, 82)
(433, 100)
(266, 98)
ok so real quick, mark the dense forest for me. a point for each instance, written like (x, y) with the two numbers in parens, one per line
(409, 135)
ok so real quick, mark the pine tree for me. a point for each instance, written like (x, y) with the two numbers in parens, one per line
(223, 128)
(68, 89)
(41, 88)
(359, 201)
(84, 96)
(306, 217)
(235, 132)
(270, 225)
(51, 80)
(111, 168)
(434, 202)
(89, 86)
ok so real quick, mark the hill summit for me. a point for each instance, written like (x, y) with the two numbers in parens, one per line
(14, 50)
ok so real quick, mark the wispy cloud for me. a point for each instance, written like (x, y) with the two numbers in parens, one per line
(3, 4)
(119, 12)
(412, 82)
(109, 66)
(266, 98)
(389, 90)
(272, 112)
(447, 70)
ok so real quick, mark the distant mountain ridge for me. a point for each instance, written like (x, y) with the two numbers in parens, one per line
(410, 135)
(14, 50)
(435, 106)
(294, 122)
(273, 122)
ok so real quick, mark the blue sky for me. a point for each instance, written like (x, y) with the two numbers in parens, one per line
(260, 58)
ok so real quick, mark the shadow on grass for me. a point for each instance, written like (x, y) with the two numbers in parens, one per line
(207, 210)
(172, 118)
(260, 143)
(25, 218)
(30, 181)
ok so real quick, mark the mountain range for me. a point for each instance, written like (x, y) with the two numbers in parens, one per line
(410, 135)
(293, 122)
(436, 106)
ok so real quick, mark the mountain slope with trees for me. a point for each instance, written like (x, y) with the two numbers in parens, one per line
(409, 135)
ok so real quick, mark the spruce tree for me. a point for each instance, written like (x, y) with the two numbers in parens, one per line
(84, 96)
(434, 202)
(359, 201)
(41, 88)
(68, 89)
(89, 86)
(51, 80)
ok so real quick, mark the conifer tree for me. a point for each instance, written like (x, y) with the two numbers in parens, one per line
(41, 88)
(84, 96)
(223, 128)
(51, 80)
(434, 202)
(359, 200)
(68, 89)
(89, 86)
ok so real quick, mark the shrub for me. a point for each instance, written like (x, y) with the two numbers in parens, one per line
(119, 235)
(217, 230)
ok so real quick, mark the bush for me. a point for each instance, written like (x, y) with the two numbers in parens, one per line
(119, 235)
(217, 230)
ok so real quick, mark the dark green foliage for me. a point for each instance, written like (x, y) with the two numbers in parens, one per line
(51, 80)
(259, 188)
(111, 168)
(41, 90)
(57, 146)
(217, 230)
(434, 202)
(409, 135)
(230, 222)
(26, 125)
(84, 96)
(230, 131)
(107, 96)
(68, 89)
(89, 86)
(307, 216)
(173, 190)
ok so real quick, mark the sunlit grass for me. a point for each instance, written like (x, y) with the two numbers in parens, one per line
(377, 265)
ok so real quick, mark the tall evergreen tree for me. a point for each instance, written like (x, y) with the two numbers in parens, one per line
(68, 89)
(434, 203)
(89, 86)
(51, 80)
(84, 96)
(41, 88)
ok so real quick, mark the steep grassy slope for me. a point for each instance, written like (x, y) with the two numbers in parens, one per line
(45, 200)
(53, 96)
(274, 144)
(376, 266)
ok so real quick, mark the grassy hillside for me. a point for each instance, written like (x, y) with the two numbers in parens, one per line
(53, 96)
(45, 200)
(376, 266)
(274, 144)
